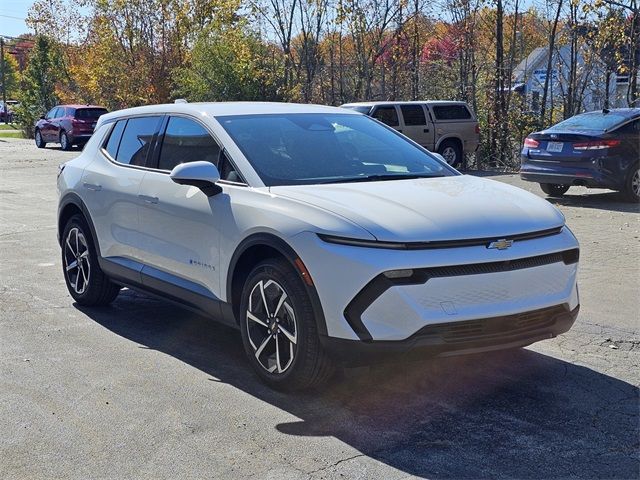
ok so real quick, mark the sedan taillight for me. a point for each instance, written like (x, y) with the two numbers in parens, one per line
(531, 143)
(596, 145)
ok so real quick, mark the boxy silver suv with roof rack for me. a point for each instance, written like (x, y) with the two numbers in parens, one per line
(446, 127)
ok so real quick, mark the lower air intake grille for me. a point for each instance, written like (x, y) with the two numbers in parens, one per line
(490, 328)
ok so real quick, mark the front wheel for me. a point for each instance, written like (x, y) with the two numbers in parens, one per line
(554, 190)
(86, 282)
(279, 330)
(632, 185)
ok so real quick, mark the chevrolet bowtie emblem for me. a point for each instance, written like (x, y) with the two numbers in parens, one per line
(502, 244)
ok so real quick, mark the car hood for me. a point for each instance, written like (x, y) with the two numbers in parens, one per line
(431, 209)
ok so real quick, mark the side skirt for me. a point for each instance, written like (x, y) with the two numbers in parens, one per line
(169, 287)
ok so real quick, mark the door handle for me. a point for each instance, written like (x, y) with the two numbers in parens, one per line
(92, 186)
(426, 130)
(148, 199)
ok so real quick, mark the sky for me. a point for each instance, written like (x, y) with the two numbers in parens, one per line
(12, 15)
(14, 12)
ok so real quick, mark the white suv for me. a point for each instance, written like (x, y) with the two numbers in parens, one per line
(322, 234)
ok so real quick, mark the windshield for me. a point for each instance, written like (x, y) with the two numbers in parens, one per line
(590, 121)
(298, 149)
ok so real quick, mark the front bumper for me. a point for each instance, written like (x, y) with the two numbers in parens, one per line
(448, 285)
(459, 338)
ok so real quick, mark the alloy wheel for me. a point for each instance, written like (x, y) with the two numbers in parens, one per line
(271, 326)
(64, 141)
(76, 256)
(449, 154)
(635, 183)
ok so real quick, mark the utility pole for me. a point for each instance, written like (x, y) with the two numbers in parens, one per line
(4, 85)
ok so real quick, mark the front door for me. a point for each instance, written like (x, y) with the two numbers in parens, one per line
(180, 223)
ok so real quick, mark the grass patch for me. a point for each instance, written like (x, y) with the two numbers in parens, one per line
(11, 134)
(11, 127)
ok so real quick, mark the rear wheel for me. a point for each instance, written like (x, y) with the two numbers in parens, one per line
(632, 185)
(451, 152)
(278, 328)
(40, 143)
(65, 144)
(86, 282)
(554, 190)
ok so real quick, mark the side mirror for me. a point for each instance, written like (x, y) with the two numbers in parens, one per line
(42, 117)
(203, 175)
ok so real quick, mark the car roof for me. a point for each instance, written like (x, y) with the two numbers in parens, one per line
(78, 105)
(407, 102)
(216, 109)
(629, 112)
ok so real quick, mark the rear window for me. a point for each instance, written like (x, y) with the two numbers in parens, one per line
(413, 115)
(591, 121)
(89, 113)
(451, 112)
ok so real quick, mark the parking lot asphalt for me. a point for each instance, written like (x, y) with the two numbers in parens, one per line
(143, 389)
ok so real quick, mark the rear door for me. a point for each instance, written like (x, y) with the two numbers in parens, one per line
(415, 126)
(56, 124)
(111, 187)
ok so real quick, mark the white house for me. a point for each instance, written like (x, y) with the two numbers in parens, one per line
(529, 77)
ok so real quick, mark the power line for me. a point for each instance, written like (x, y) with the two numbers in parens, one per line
(9, 16)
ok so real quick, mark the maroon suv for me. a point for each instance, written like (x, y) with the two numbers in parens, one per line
(67, 125)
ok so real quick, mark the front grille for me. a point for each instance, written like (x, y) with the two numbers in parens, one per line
(492, 328)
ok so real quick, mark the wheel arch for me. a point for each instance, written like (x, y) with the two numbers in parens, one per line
(70, 205)
(451, 138)
(250, 252)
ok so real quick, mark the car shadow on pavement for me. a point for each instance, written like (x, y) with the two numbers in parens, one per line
(514, 413)
(602, 200)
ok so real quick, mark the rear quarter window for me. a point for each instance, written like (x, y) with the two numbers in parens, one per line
(114, 138)
(451, 112)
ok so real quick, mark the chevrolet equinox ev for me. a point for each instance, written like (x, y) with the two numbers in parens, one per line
(322, 234)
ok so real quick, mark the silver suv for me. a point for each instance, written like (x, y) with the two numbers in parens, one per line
(446, 127)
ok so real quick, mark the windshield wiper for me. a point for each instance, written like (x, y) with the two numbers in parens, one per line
(382, 177)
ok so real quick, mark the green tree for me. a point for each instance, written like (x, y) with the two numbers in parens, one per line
(228, 63)
(11, 77)
(38, 92)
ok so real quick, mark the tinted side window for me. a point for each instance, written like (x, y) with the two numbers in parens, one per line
(387, 115)
(630, 128)
(60, 112)
(451, 112)
(413, 115)
(114, 139)
(51, 113)
(136, 140)
(185, 141)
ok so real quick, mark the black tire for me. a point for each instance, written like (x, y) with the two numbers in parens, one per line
(554, 190)
(65, 143)
(40, 143)
(451, 151)
(632, 185)
(309, 365)
(98, 289)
